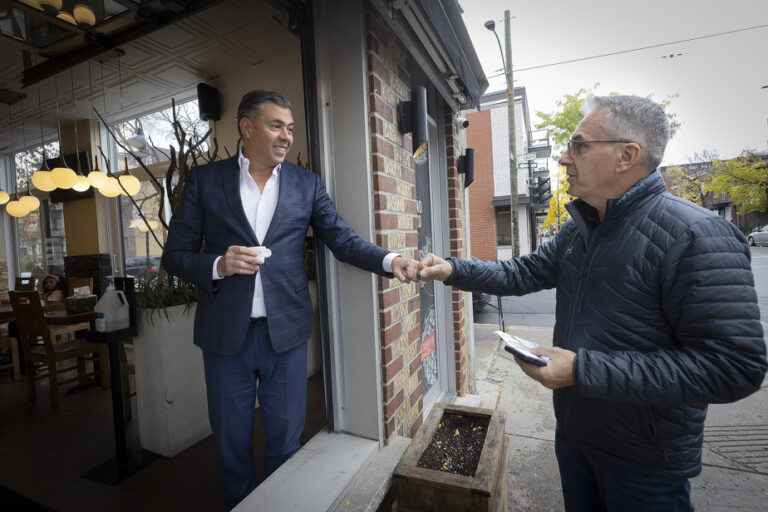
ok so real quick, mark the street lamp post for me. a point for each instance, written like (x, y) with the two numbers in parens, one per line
(507, 63)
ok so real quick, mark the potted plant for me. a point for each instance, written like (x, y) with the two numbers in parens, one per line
(172, 406)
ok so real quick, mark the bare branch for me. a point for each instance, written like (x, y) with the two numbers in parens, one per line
(133, 201)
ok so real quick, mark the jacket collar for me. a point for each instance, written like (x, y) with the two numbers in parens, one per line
(585, 215)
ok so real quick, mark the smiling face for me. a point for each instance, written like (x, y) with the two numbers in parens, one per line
(268, 135)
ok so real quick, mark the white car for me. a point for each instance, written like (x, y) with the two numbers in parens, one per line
(758, 236)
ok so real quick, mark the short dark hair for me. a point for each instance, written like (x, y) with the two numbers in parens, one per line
(252, 102)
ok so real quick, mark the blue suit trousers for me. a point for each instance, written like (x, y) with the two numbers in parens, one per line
(234, 381)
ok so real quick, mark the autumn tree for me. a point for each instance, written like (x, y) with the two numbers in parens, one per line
(561, 124)
(744, 180)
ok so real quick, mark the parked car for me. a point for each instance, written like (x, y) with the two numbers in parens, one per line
(758, 236)
(139, 265)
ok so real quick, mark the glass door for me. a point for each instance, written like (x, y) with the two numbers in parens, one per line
(432, 228)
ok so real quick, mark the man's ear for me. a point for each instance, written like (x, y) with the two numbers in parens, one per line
(629, 157)
(245, 127)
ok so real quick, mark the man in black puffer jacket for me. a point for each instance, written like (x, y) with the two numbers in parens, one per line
(657, 316)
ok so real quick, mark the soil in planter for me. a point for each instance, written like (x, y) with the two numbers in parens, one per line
(456, 444)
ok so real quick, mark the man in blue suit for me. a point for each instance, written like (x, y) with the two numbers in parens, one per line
(254, 315)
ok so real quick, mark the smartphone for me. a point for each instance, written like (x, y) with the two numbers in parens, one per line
(520, 348)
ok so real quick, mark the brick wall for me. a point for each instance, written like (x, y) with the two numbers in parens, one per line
(396, 221)
(481, 212)
(455, 147)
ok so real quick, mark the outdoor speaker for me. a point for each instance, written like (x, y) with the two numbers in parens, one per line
(412, 118)
(467, 166)
(209, 102)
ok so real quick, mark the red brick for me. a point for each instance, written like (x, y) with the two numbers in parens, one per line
(378, 105)
(414, 334)
(383, 183)
(417, 394)
(377, 163)
(416, 424)
(389, 428)
(390, 298)
(411, 239)
(415, 364)
(383, 147)
(392, 368)
(391, 407)
(373, 43)
(392, 334)
(386, 220)
(376, 65)
(377, 125)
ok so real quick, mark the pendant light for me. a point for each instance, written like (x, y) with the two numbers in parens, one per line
(96, 177)
(65, 16)
(4, 196)
(41, 179)
(30, 202)
(81, 184)
(14, 208)
(130, 183)
(63, 177)
(84, 16)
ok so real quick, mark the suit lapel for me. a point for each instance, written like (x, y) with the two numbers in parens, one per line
(286, 183)
(231, 182)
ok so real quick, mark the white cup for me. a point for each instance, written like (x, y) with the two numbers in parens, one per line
(262, 253)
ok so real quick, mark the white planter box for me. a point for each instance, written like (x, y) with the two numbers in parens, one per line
(170, 383)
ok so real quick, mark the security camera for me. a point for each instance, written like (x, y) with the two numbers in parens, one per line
(463, 121)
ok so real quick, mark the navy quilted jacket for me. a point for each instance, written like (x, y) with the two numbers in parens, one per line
(658, 302)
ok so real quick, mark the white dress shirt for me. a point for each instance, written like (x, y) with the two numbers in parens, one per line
(259, 206)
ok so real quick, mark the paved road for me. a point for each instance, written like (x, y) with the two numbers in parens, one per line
(538, 309)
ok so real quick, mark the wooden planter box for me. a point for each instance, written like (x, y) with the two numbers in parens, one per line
(420, 489)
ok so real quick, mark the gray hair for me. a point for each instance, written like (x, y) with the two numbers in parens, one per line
(635, 118)
(252, 102)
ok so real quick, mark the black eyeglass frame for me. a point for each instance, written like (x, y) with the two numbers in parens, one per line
(575, 146)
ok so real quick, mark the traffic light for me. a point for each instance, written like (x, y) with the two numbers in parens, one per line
(540, 191)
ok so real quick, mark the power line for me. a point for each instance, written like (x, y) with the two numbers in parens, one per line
(632, 50)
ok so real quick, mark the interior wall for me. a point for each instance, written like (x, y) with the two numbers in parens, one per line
(282, 73)
(81, 227)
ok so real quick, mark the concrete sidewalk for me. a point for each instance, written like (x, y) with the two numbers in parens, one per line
(735, 475)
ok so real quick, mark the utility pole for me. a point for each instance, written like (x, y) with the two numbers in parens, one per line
(513, 208)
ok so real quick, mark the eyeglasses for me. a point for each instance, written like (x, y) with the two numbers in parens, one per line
(576, 145)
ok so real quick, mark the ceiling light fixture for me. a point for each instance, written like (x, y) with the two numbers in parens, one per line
(65, 16)
(84, 16)
(41, 179)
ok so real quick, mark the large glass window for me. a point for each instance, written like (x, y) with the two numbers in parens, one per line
(150, 137)
(40, 237)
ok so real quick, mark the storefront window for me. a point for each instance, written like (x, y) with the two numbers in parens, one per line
(142, 252)
(150, 136)
(41, 242)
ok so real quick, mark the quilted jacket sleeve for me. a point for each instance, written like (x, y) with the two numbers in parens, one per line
(518, 276)
(709, 300)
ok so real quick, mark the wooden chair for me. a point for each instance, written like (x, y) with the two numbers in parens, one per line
(41, 355)
(11, 347)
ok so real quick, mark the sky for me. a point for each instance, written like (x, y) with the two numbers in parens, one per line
(715, 85)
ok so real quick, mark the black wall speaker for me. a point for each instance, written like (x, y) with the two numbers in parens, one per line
(209, 102)
(467, 166)
(412, 118)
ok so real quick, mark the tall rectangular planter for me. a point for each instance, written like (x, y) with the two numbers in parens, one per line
(424, 490)
(172, 405)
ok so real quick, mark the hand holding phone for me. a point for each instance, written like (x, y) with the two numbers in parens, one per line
(521, 348)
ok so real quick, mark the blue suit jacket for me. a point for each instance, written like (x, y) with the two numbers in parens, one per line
(212, 218)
